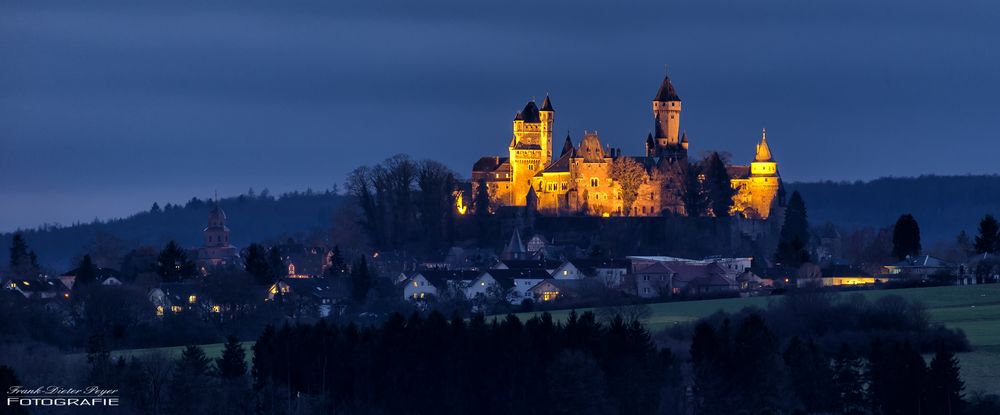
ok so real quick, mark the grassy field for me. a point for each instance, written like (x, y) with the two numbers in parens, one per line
(973, 308)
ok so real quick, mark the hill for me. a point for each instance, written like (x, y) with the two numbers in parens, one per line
(252, 219)
(943, 205)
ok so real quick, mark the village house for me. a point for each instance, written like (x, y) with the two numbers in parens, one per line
(311, 297)
(919, 267)
(518, 282)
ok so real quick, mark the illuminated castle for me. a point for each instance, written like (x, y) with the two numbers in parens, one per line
(580, 180)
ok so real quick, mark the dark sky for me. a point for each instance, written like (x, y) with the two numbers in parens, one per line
(107, 106)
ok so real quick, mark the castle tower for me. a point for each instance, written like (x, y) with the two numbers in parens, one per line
(528, 149)
(764, 179)
(667, 115)
(547, 115)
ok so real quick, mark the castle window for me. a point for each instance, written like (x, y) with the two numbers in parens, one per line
(594, 182)
(564, 186)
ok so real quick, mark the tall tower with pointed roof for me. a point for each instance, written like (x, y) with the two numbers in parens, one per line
(531, 147)
(667, 116)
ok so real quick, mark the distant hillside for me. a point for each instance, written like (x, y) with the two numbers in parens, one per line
(943, 205)
(251, 219)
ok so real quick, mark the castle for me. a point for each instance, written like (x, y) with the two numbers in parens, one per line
(582, 179)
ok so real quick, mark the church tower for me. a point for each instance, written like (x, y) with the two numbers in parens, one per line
(764, 179)
(667, 114)
(217, 233)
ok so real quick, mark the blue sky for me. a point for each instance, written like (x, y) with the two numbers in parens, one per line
(109, 105)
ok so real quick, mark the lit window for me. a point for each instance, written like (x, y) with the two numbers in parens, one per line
(192, 299)
(415, 283)
(549, 295)
(176, 308)
(594, 182)
(565, 272)
(216, 309)
(159, 311)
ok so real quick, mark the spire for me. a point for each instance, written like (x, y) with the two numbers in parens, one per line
(530, 113)
(515, 248)
(684, 137)
(649, 141)
(518, 117)
(567, 146)
(547, 104)
(763, 151)
(667, 91)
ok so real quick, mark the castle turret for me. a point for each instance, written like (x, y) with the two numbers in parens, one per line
(547, 116)
(667, 114)
(764, 180)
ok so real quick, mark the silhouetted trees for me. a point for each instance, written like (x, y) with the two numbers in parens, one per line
(361, 280)
(988, 240)
(905, 237)
(720, 190)
(694, 196)
(23, 262)
(794, 239)
(172, 264)
(456, 367)
(255, 262)
(945, 389)
(86, 272)
(232, 364)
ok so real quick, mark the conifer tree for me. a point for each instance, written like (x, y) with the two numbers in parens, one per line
(23, 261)
(695, 197)
(905, 237)
(988, 240)
(86, 273)
(848, 378)
(276, 264)
(361, 281)
(232, 365)
(945, 385)
(338, 267)
(794, 237)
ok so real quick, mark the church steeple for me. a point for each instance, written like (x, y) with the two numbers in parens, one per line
(547, 104)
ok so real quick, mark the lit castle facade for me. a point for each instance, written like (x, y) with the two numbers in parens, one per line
(578, 180)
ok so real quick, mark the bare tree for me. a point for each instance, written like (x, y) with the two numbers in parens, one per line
(630, 175)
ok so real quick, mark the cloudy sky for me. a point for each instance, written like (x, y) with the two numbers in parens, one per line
(108, 106)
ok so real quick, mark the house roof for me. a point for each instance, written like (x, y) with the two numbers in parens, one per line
(691, 272)
(489, 163)
(438, 277)
(922, 261)
(532, 263)
(520, 273)
(655, 268)
(319, 287)
(530, 113)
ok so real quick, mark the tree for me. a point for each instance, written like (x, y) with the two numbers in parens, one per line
(988, 240)
(905, 237)
(232, 365)
(810, 375)
(86, 273)
(945, 386)
(155, 208)
(172, 263)
(22, 260)
(576, 385)
(695, 196)
(361, 281)
(8, 379)
(435, 206)
(481, 207)
(629, 175)
(276, 264)
(720, 190)
(794, 237)
(338, 267)
(848, 380)
(257, 265)
(189, 384)
(193, 361)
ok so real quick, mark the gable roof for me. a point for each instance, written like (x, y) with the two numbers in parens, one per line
(439, 277)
